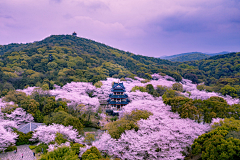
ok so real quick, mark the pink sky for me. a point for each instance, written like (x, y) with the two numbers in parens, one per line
(146, 27)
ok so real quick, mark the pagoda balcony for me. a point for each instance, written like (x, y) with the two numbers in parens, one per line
(118, 102)
(118, 96)
(118, 90)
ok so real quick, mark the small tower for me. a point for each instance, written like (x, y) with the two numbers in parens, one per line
(118, 98)
(74, 33)
(50, 58)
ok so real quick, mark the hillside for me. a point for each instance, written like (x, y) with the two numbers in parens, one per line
(60, 59)
(191, 56)
(219, 73)
(176, 55)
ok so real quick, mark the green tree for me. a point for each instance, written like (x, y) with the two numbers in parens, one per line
(61, 153)
(24, 138)
(76, 147)
(56, 117)
(89, 138)
(98, 84)
(59, 139)
(228, 90)
(161, 89)
(50, 105)
(75, 122)
(177, 87)
(128, 122)
(150, 89)
(15, 96)
(92, 153)
(170, 94)
(52, 65)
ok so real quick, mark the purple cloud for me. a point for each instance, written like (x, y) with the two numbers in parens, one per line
(152, 28)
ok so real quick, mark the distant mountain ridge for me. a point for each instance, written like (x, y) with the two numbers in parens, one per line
(191, 56)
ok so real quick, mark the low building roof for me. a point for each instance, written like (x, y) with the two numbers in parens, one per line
(25, 128)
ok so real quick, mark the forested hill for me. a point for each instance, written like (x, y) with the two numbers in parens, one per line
(190, 57)
(220, 73)
(60, 59)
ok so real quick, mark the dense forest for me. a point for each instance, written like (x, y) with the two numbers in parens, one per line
(190, 57)
(219, 73)
(60, 59)
(186, 57)
(65, 58)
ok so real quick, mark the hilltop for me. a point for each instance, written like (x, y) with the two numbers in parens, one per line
(60, 59)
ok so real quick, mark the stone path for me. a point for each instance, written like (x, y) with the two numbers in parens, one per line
(23, 149)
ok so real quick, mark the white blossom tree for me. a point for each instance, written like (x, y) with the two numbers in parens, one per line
(20, 116)
(47, 134)
(7, 137)
(162, 136)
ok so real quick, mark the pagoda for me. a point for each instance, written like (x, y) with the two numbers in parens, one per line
(118, 98)
(74, 33)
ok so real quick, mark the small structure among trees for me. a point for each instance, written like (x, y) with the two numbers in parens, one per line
(25, 128)
(118, 98)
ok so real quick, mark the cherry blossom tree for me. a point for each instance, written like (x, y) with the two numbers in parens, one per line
(162, 136)
(47, 134)
(52, 147)
(7, 137)
(20, 116)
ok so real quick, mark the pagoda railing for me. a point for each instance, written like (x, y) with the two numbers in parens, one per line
(116, 102)
(118, 96)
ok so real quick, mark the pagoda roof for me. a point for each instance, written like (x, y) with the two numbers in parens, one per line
(118, 86)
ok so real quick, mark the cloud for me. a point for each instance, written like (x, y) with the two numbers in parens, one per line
(157, 26)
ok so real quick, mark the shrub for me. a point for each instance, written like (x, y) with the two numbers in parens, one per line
(233, 134)
(201, 87)
(128, 122)
(59, 139)
(122, 79)
(89, 138)
(162, 74)
(24, 138)
(169, 94)
(142, 89)
(11, 148)
(32, 147)
(161, 90)
(92, 153)
(114, 118)
(98, 84)
(145, 81)
(41, 146)
(61, 153)
(76, 147)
